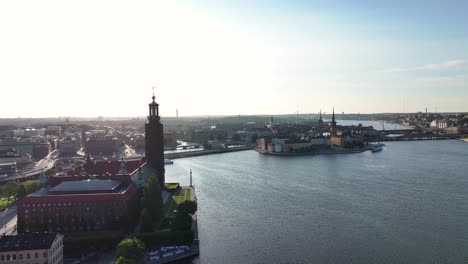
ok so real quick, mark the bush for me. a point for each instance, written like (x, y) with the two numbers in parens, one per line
(131, 249)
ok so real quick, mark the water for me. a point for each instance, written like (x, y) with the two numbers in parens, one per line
(405, 204)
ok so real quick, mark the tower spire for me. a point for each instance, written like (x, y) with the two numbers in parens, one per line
(153, 110)
(333, 115)
(333, 132)
(42, 179)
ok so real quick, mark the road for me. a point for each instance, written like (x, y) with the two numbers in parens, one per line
(8, 220)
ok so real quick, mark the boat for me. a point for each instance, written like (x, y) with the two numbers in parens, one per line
(168, 161)
(376, 148)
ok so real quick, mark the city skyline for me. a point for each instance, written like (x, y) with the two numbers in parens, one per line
(267, 57)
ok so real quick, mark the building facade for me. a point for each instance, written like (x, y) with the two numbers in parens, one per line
(32, 248)
(102, 145)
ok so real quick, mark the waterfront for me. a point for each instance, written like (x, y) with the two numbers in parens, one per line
(405, 204)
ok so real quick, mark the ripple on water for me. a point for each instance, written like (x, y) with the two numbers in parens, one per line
(406, 204)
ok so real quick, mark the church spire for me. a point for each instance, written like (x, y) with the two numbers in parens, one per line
(140, 183)
(333, 132)
(333, 115)
(42, 179)
(122, 170)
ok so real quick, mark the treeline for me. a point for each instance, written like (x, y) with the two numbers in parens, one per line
(13, 191)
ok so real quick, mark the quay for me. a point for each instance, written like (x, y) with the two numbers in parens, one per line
(331, 151)
(414, 138)
(204, 152)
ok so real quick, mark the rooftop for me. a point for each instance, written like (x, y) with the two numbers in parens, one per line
(29, 241)
(90, 185)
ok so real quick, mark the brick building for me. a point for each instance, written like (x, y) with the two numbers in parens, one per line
(99, 195)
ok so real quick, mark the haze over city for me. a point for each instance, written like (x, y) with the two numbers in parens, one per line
(210, 58)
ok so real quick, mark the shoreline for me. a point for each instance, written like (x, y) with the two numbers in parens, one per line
(333, 151)
(204, 152)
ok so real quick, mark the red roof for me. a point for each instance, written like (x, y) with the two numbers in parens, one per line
(93, 197)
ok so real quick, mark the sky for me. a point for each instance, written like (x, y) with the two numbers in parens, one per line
(102, 58)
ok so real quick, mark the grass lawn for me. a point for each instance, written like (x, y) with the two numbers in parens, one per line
(182, 197)
(4, 203)
(174, 201)
(172, 186)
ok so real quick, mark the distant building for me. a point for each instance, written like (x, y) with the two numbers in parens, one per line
(439, 124)
(67, 146)
(291, 146)
(24, 147)
(170, 139)
(7, 168)
(30, 132)
(53, 131)
(41, 149)
(32, 248)
(11, 155)
(102, 145)
(262, 144)
(320, 141)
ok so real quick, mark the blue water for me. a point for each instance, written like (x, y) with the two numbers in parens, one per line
(406, 204)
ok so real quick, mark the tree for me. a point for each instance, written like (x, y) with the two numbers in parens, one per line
(21, 193)
(132, 249)
(152, 199)
(236, 137)
(122, 260)
(10, 189)
(31, 186)
(183, 219)
(254, 137)
(147, 224)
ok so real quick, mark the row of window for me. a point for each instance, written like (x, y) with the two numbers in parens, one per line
(69, 204)
(20, 256)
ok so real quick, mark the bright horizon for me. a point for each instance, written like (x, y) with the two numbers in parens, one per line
(101, 58)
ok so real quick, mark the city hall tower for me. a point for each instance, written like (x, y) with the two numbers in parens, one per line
(154, 142)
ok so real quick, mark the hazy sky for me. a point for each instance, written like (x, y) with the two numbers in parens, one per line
(91, 58)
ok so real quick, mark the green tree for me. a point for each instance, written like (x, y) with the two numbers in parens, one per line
(21, 193)
(183, 219)
(254, 137)
(147, 224)
(10, 189)
(236, 137)
(152, 199)
(122, 260)
(31, 186)
(132, 249)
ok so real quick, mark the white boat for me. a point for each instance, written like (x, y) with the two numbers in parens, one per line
(168, 161)
(377, 147)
